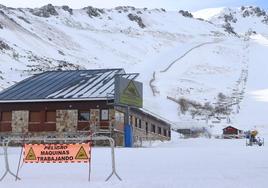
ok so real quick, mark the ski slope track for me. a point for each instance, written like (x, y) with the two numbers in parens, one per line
(198, 46)
(153, 88)
(216, 64)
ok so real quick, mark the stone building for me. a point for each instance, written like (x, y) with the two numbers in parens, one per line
(74, 101)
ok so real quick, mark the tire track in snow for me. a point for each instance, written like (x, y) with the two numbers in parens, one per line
(153, 87)
(186, 53)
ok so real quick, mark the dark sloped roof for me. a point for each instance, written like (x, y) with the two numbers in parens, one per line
(230, 127)
(60, 85)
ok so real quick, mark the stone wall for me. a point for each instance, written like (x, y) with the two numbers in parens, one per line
(20, 120)
(118, 138)
(140, 136)
(66, 120)
(140, 133)
(94, 119)
(112, 118)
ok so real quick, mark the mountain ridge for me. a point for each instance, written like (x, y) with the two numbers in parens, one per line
(208, 63)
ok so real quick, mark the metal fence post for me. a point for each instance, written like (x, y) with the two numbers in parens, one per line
(5, 147)
(113, 161)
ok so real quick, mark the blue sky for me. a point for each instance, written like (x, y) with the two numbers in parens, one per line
(191, 5)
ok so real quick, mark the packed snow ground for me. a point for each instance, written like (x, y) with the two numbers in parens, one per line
(186, 163)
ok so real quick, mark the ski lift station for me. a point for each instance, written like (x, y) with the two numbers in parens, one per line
(103, 101)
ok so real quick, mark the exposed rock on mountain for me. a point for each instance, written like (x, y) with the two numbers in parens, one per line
(4, 46)
(186, 13)
(93, 12)
(45, 11)
(137, 19)
(68, 9)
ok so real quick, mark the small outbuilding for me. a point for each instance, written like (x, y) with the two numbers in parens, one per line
(76, 101)
(232, 132)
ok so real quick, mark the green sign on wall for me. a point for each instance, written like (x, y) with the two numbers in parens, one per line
(128, 92)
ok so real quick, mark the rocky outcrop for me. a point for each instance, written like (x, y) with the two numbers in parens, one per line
(4, 46)
(93, 12)
(252, 11)
(228, 28)
(135, 18)
(265, 20)
(45, 11)
(24, 19)
(121, 9)
(186, 13)
(68, 9)
(229, 18)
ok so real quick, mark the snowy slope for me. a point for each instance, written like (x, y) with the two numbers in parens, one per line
(195, 72)
(251, 25)
(209, 13)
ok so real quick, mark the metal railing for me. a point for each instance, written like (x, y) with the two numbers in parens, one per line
(52, 138)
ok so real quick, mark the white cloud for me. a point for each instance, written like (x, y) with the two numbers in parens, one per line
(167, 4)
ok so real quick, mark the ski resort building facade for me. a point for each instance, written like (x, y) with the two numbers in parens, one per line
(72, 102)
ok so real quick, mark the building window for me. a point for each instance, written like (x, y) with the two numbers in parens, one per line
(83, 116)
(159, 130)
(130, 120)
(50, 116)
(165, 132)
(136, 122)
(6, 116)
(140, 123)
(146, 127)
(34, 117)
(153, 128)
(104, 114)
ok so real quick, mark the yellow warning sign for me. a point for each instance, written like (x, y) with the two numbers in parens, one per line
(31, 155)
(81, 154)
(131, 90)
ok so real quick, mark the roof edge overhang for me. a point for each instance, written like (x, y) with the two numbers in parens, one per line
(56, 100)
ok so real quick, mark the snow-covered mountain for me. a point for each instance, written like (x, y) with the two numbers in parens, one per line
(207, 68)
(242, 21)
